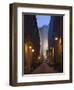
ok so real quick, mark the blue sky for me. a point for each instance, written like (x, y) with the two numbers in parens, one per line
(42, 20)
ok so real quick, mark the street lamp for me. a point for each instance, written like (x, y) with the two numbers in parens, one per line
(56, 38)
(30, 47)
(32, 50)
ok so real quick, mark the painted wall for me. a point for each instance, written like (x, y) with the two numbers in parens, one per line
(4, 46)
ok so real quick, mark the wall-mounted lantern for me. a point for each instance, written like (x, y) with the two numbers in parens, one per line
(30, 47)
(56, 38)
(32, 50)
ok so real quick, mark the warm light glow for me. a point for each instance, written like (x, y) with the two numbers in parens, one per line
(56, 38)
(39, 57)
(30, 47)
(32, 50)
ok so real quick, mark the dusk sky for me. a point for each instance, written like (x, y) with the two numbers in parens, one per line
(42, 20)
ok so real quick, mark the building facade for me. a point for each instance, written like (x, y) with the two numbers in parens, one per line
(31, 41)
(55, 40)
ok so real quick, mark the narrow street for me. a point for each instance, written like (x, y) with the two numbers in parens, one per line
(44, 68)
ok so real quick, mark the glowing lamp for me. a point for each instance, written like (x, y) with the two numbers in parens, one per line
(32, 50)
(56, 38)
(30, 47)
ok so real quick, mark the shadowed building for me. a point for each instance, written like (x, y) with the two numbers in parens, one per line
(31, 41)
(55, 40)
